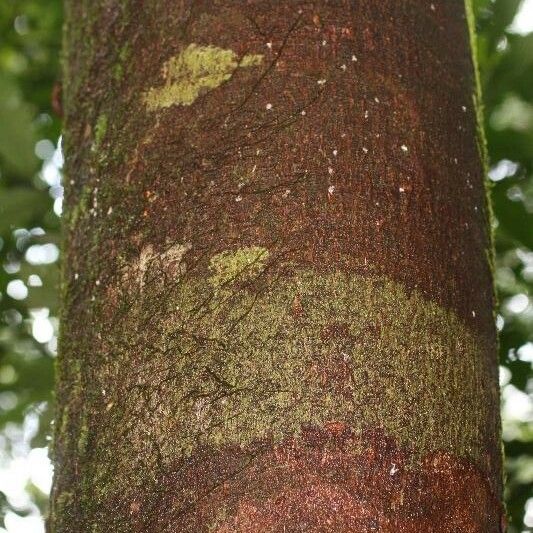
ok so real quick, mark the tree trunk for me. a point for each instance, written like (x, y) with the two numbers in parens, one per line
(278, 306)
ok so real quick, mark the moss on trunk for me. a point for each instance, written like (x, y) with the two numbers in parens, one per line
(277, 298)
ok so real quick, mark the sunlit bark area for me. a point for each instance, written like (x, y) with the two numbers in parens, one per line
(278, 305)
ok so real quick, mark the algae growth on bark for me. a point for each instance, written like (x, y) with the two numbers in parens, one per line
(277, 298)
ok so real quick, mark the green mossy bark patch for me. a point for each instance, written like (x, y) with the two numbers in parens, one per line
(80, 209)
(233, 365)
(100, 130)
(195, 70)
(320, 348)
(477, 102)
(244, 263)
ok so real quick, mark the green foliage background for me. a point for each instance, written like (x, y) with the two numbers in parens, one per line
(30, 42)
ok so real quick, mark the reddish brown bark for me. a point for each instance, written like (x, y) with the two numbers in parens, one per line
(317, 484)
(350, 149)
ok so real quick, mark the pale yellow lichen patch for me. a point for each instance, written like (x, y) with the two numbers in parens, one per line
(195, 70)
(141, 267)
(170, 262)
(173, 256)
(242, 264)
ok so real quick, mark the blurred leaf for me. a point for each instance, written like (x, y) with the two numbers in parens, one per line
(21, 207)
(17, 133)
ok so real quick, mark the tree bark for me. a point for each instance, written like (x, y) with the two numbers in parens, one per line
(278, 305)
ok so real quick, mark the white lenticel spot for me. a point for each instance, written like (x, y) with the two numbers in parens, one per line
(331, 189)
(404, 148)
(269, 106)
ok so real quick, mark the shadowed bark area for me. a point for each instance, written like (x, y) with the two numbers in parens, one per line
(278, 307)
